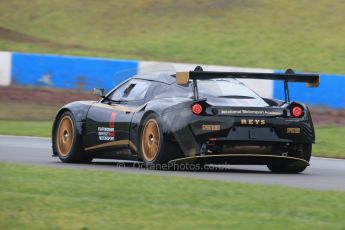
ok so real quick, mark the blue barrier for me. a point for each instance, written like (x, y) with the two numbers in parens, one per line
(84, 73)
(330, 93)
(70, 72)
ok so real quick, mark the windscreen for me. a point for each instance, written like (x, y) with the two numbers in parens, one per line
(229, 92)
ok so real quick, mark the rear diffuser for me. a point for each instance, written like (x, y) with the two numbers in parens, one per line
(241, 159)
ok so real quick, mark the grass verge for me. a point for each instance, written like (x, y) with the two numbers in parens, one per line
(45, 198)
(256, 33)
(28, 111)
(26, 128)
(330, 142)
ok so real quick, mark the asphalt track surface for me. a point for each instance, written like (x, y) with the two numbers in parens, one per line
(322, 174)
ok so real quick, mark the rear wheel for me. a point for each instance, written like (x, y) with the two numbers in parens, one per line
(67, 143)
(154, 148)
(287, 168)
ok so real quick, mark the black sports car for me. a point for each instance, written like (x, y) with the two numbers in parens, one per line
(189, 117)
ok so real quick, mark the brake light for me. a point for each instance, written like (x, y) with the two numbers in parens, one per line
(197, 109)
(297, 111)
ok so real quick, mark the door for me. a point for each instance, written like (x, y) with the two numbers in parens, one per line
(108, 121)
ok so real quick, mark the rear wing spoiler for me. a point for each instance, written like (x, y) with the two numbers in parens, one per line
(312, 80)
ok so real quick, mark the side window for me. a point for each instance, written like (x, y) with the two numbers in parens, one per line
(132, 90)
(117, 94)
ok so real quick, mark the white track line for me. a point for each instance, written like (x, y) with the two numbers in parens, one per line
(328, 158)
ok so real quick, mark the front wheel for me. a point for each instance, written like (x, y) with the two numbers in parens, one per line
(287, 168)
(154, 148)
(66, 141)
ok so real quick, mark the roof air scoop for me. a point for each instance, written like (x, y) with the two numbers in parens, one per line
(198, 68)
(289, 71)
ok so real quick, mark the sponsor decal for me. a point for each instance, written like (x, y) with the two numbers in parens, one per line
(293, 130)
(210, 127)
(245, 111)
(253, 122)
(108, 133)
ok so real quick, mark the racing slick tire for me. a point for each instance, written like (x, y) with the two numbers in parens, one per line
(154, 148)
(286, 168)
(67, 143)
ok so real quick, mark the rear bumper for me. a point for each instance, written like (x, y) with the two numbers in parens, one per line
(252, 134)
(259, 130)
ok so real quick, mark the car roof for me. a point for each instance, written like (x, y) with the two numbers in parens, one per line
(163, 77)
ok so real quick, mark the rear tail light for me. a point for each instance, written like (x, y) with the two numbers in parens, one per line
(197, 109)
(296, 111)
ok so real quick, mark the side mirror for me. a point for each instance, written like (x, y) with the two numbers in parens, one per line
(98, 92)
